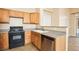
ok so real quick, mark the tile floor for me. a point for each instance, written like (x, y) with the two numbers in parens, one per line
(28, 47)
(73, 43)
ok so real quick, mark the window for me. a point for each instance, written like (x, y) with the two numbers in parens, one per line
(46, 19)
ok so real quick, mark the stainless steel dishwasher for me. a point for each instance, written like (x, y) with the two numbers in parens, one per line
(48, 43)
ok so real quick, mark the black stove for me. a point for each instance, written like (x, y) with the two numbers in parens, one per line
(16, 37)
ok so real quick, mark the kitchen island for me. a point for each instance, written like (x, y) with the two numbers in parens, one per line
(57, 40)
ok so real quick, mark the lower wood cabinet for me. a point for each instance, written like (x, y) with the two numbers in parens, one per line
(4, 44)
(27, 37)
(36, 39)
(45, 43)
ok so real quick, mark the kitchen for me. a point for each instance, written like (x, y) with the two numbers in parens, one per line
(31, 29)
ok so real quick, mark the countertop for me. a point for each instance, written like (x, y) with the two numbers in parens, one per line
(7, 30)
(53, 34)
(29, 29)
(42, 32)
(4, 30)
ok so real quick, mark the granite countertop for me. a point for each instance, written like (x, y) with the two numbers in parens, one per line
(4, 30)
(29, 29)
(51, 33)
(54, 34)
(42, 32)
(7, 30)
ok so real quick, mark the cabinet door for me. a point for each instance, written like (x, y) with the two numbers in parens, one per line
(33, 37)
(0, 41)
(34, 18)
(27, 37)
(15, 13)
(26, 18)
(36, 39)
(4, 41)
(4, 16)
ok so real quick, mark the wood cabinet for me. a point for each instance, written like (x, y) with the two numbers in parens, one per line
(27, 37)
(14, 13)
(26, 17)
(53, 43)
(36, 39)
(34, 17)
(4, 41)
(31, 18)
(4, 15)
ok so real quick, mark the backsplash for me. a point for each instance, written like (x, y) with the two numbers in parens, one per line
(25, 26)
(29, 26)
(16, 21)
(56, 28)
(4, 26)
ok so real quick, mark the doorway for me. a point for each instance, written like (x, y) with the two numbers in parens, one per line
(77, 26)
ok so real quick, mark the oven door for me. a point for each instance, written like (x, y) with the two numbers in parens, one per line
(16, 39)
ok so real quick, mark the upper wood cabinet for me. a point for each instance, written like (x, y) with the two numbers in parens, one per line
(4, 44)
(4, 16)
(26, 17)
(15, 13)
(34, 17)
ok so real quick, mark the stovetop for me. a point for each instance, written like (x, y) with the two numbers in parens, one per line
(16, 29)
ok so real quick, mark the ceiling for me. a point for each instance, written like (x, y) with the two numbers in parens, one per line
(25, 9)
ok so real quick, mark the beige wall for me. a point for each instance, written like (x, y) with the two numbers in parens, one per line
(55, 17)
(63, 16)
(60, 16)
